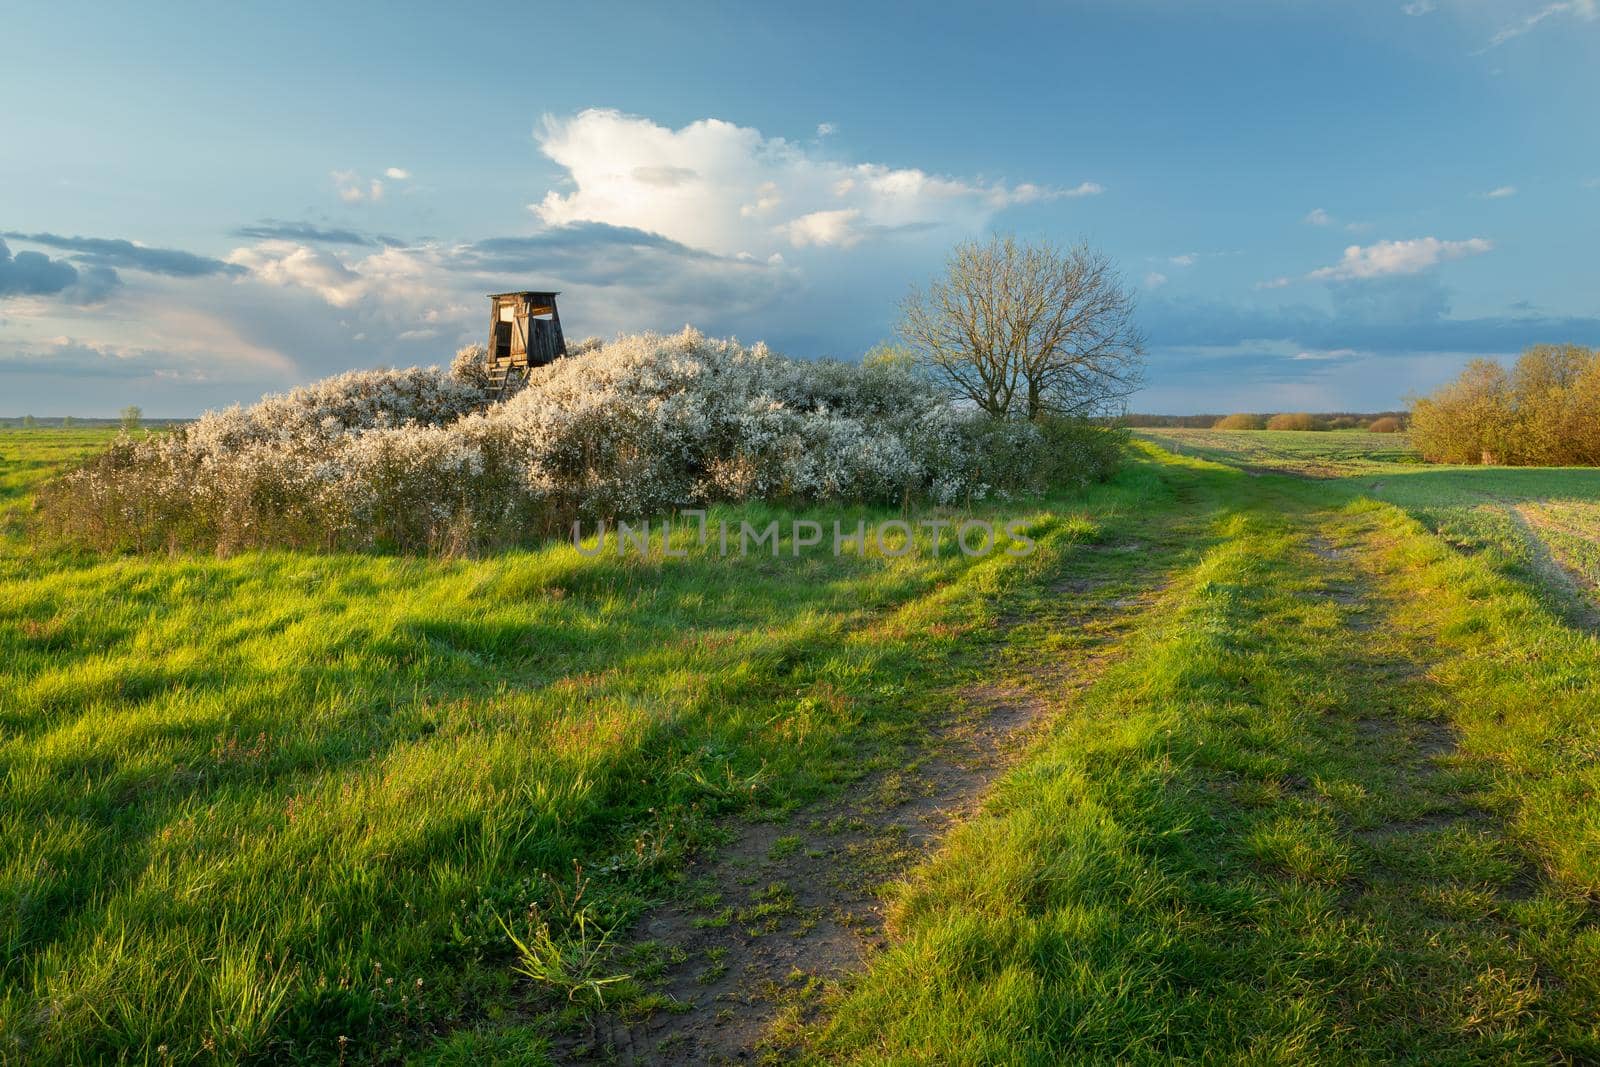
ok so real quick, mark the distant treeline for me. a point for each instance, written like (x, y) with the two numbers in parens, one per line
(80, 422)
(1322, 420)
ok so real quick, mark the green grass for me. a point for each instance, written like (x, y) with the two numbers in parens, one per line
(1295, 824)
(1339, 804)
(1335, 798)
(28, 458)
(1319, 452)
(1470, 507)
(257, 806)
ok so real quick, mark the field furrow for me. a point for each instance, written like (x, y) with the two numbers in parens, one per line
(762, 929)
(1237, 766)
(1270, 833)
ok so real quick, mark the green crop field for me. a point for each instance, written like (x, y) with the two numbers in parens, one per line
(1280, 748)
(1325, 452)
(1533, 516)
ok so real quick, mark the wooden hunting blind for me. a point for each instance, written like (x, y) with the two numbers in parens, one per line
(524, 332)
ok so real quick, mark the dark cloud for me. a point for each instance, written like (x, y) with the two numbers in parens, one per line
(76, 360)
(1402, 320)
(279, 230)
(1402, 301)
(114, 252)
(598, 255)
(33, 274)
(94, 285)
(36, 274)
(577, 239)
(1375, 341)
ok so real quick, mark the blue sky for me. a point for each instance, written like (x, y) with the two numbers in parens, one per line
(1322, 206)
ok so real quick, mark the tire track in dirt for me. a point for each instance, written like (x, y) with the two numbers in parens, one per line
(769, 919)
(1577, 592)
(1435, 874)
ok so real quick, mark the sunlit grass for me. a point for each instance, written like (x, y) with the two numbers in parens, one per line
(262, 804)
(1297, 824)
(1306, 451)
(289, 806)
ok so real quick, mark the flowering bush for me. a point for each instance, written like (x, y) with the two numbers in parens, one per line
(419, 459)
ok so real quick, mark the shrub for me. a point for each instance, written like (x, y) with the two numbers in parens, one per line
(1545, 412)
(890, 354)
(1079, 452)
(1299, 420)
(1387, 424)
(1240, 422)
(471, 365)
(418, 460)
(1466, 420)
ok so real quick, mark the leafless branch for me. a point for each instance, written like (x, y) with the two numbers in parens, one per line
(1028, 329)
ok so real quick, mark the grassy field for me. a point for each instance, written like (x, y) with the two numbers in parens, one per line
(1323, 452)
(1338, 804)
(265, 805)
(1523, 513)
(1327, 790)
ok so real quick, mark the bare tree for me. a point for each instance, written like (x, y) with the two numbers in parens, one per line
(1028, 328)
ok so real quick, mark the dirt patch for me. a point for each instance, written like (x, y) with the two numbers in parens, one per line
(786, 904)
(1078, 585)
(1417, 739)
(1304, 474)
(1418, 755)
(1322, 548)
(766, 921)
(1125, 546)
(1343, 592)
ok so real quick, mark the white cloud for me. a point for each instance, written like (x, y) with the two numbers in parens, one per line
(736, 191)
(1275, 283)
(1418, 7)
(1186, 260)
(1501, 192)
(767, 200)
(826, 129)
(1319, 217)
(399, 174)
(1399, 257)
(1081, 189)
(285, 263)
(1587, 10)
(1154, 280)
(405, 280)
(352, 188)
(825, 228)
(427, 298)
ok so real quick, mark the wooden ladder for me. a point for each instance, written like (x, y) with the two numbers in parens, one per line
(503, 378)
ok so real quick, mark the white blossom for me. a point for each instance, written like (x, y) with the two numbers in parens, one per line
(418, 458)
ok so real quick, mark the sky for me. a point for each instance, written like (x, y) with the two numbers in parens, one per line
(1321, 206)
